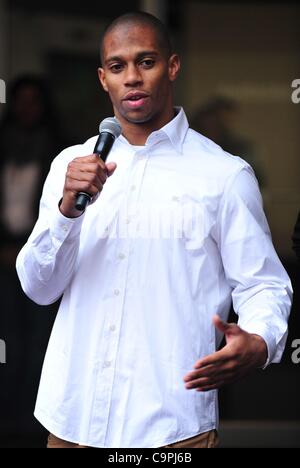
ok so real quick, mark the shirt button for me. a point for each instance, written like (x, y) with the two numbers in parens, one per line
(175, 198)
(127, 220)
(116, 292)
(121, 256)
(107, 363)
(65, 228)
(133, 187)
(112, 328)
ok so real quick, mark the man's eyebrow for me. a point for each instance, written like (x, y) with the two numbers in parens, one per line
(144, 53)
(114, 58)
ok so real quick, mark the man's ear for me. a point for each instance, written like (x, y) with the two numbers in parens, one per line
(173, 67)
(101, 76)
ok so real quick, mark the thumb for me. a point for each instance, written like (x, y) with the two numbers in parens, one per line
(111, 167)
(228, 329)
(220, 325)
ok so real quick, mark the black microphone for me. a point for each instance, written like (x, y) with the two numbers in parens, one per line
(109, 129)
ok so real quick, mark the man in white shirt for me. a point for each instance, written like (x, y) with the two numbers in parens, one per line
(148, 272)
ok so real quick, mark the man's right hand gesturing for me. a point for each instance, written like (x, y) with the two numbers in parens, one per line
(85, 174)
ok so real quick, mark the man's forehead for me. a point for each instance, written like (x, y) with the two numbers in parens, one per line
(124, 36)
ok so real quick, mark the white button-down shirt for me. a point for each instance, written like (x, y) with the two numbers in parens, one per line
(177, 231)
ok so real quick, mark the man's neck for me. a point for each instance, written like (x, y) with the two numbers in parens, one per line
(137, 133)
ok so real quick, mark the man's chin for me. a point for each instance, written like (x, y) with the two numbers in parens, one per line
(137, 118)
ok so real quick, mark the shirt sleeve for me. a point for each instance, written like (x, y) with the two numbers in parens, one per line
(261, 288)
(46, 263)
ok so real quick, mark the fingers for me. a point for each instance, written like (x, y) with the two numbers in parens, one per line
(206, 384)
(111, 167)
(94, 165)
(213, 359)
(211, 371)
(227, 365)
(87, 165)
(93, 158)
(84, 174)
(75, 186)
(213, 376)
(205, 372)
(216, 377)
(207, 388)
(88, 173)
(78, 181)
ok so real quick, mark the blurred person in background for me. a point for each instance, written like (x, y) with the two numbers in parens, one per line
(29, 138)
(216, 119)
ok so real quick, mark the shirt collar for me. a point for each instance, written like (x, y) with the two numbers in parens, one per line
(175, 131)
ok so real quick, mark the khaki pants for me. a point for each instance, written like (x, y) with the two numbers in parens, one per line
(206, 440)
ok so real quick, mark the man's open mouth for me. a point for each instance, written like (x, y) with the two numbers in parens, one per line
(135, 99)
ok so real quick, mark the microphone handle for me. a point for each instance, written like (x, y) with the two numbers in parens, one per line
(82, 201)
(102, 148)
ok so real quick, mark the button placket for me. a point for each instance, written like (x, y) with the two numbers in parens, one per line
(133, 191)
(110, 345)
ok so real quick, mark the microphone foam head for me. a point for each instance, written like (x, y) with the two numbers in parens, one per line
(110, 125)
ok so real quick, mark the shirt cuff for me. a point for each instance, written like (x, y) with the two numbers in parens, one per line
(63, 227)
(263, 331)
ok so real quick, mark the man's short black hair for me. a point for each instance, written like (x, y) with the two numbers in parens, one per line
(141, 18)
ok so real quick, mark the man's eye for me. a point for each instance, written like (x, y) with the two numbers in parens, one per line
(147, 63)
(116, 67)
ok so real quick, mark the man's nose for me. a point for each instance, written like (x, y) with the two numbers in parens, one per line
(133, 76)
